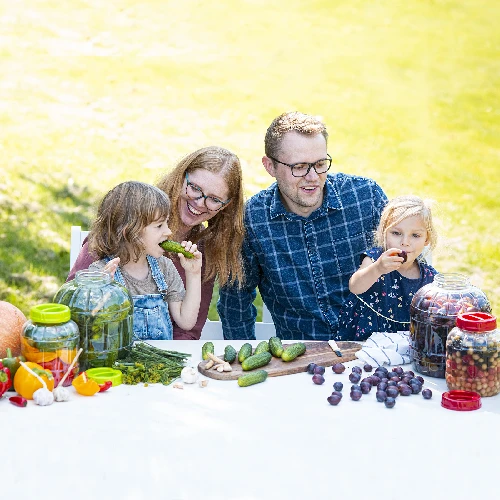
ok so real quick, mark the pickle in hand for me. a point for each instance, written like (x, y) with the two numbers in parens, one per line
(173, 246)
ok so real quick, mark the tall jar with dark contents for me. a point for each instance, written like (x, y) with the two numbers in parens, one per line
(472, 354)
(103, 311)
(433, 314)
(51, 339)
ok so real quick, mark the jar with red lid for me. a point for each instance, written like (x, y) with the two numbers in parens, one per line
(433, 314)
(473, 354)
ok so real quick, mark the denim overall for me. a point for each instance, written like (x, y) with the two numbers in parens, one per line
(151, 316)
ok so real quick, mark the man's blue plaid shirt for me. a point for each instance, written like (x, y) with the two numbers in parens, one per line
(302, 265)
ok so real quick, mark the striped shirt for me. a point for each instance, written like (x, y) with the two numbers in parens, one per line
(302, 265)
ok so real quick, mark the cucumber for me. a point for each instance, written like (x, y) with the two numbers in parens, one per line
(173, 246)
(207, 347)
(245, 352)
(292, 351)
(261, 347)
(256, 361)
(229, 354)
(276, 347)
(252, 378)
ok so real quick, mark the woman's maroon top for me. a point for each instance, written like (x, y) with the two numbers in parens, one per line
(85, 258)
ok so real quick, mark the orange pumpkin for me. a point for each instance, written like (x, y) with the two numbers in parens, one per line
(11, 326)
(25, 384)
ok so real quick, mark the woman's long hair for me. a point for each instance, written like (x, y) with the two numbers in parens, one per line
(223, 237)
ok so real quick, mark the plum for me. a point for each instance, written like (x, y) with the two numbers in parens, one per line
(427, 394)
(405, 390)
(367, 367)
(319, 370)
(354, 377)
(337, 393)
(382, 386)
(310, 368)
(318, 379)
(390, 402)
(334, 400)
(366, 387)
(381, 396)
(392, 392)
(338, 368)
(338, 386)
(357, 369)
(356, 395)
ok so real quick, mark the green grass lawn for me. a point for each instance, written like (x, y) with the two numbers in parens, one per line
(95, 93)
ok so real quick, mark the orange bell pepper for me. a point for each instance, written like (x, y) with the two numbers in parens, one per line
(85, 386)
(25, 384)
(35, 355)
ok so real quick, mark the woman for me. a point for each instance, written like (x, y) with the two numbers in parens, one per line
(205, 189)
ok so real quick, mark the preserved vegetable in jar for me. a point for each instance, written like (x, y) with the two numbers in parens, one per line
(433, 314)
(51, 339)
(103, 311)
(472, 355)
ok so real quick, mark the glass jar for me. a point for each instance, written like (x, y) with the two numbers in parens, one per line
(433, 314)
(472, 355)
(51, 339)
(103, 311)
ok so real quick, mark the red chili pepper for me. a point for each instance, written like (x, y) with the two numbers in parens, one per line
(104, 387)
(18, 401)
(5, 379)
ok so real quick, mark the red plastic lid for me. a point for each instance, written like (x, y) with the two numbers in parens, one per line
(461, 400)
(476, 322)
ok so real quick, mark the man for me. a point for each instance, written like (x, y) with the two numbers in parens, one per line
(304, 236)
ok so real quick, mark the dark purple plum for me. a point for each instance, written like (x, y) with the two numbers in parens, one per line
(337, 393)
(375, 380)
(427, 394)
(356, 395)
(416, 382)
(367, 367)
(357, 369)
(405, 390)
(391, 383)
(390, 402)
(319, 370)
(318, 379)
(311, 367)
(354, 377)
(406, 380)
(420, 379)
(355, 387)
(382, 386)
(366, 387)
(334, 400)
(381, 396)
(395, 378)
(392, 392)
(398, 369)
(415, 388)
(338, 386)
(338, 368)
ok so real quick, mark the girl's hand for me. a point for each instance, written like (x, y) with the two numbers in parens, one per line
(112, 266)
(191, 265)
(389, 261)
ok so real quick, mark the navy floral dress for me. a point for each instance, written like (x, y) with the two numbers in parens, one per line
(390, 297)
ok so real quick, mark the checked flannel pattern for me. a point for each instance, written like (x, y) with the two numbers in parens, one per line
(302, 265)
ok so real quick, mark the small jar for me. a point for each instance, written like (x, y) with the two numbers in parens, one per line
(473, 355)
(433, 314)
(103, 311)
(51, 339)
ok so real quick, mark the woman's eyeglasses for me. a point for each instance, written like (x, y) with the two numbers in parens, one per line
(302, 169)
(195, 193)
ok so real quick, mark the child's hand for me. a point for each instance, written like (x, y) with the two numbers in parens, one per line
(389, 261)
(112, 266)
(191, 265)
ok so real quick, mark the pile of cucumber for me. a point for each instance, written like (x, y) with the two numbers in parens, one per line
(260, 357)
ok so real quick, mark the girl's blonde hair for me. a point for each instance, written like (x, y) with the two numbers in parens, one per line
(400, 208)
(223, 237)
(122, 215)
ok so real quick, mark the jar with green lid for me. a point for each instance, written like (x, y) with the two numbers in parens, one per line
(103, 311)
(51, 339)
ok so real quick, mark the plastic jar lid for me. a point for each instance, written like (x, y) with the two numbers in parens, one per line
(461, 400)
(103, 374)
(50, 314)
(476, 322)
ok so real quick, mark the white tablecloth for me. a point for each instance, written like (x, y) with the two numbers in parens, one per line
(278, 440)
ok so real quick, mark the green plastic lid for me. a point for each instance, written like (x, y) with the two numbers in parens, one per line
(103, 374)
(50, 314)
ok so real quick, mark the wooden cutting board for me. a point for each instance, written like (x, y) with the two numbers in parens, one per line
(316, 352)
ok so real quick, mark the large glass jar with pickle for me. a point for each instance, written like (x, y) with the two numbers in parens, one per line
(51, 339)
(103, 311)
(433, 313)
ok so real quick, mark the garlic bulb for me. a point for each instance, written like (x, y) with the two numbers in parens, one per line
(189, 375)
(43, 397)
(61, 394)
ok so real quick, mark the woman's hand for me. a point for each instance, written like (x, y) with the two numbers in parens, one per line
(112, 266)
(193, 265)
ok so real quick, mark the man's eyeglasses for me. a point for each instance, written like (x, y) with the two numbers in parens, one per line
(302, 169)
(195, 193)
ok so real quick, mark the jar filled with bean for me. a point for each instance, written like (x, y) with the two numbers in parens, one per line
(473, 354)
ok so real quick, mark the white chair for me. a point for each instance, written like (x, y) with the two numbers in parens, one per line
(77, 237)
(212, 329)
